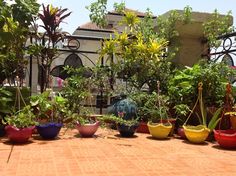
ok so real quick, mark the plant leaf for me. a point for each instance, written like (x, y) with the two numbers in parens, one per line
(215, 119)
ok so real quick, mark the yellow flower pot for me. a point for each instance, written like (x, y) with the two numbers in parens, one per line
(159, 130)
(196, 134)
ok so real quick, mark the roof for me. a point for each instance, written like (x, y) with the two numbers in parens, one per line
(138, 13)
(90, 26)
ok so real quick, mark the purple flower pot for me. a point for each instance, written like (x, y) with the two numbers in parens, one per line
(87, 130)
(49, 130)
(19, 135)
(181, 133)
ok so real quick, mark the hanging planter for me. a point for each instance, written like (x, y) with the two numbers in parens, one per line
(227, 138)
(198, 134)
(159, 130)
(162, 129)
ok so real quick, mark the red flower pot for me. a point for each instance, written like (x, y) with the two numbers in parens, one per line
(87, 130)
(226, 138)
(143, 128)
(19, 135)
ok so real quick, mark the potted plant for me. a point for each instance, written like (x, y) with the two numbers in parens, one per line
(140, 98)
(50, 112)
(86, 123)
(79, 90)
(20, 125)
(226, 138)
(124, 128)
(126, 110)
(199, 133)
(159, 125)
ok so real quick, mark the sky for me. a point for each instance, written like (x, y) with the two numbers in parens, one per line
(80, 14)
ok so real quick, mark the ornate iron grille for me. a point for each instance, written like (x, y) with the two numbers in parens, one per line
(227, 50)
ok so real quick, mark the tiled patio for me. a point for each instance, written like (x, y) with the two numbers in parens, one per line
(108, 154)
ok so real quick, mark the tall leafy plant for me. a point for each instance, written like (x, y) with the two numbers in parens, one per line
(45, 47)
(77, 89)
(138, 59)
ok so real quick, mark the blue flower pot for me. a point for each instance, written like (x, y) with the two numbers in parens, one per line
(49, 130)
(126, 131)
(129, 108)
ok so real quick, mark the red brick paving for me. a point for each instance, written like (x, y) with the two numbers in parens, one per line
(108, 154)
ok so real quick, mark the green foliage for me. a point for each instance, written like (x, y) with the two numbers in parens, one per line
(41, 105)
(47, 107)
(24, 11)
(217, 26)
(181, 109)
(14, 28)
(98, 12)
(140, 98)
(139, 60)
(77, 88)
(166, 28)
(22, 118)
(119, 7)
(118, 120)
(215, 119)
(5, 98)
(146, 26)
(131, 20)
(186, 17)
(153, 109)
(182, 87)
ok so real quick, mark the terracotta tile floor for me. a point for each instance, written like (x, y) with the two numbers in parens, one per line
(108, 154)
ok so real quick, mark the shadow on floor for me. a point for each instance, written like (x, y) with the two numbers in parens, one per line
(220, 148)
(79, 136)
(129, 137)
(8, 142)
(156, 139)
(39, 138)
(190, 143)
